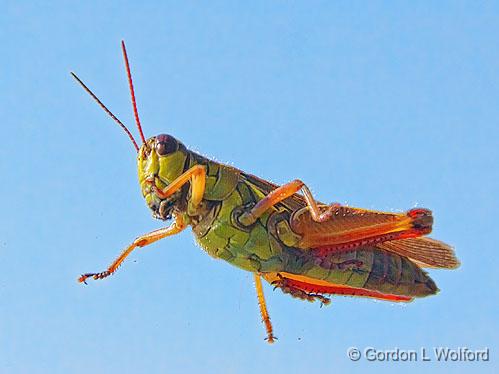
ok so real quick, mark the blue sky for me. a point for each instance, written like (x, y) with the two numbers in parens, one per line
(373, 104)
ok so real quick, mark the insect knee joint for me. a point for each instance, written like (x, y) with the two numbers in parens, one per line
(140, 242)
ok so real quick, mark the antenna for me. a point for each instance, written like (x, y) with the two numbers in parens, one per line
(132, 93)
(108, 111)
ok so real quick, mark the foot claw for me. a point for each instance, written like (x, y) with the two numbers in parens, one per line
(95, 276)
(83, 278)
(325, 301)
(271, 339)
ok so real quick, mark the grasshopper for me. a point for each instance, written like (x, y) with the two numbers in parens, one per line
(281, 233)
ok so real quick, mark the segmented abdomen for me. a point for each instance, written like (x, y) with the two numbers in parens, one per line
(368, 268)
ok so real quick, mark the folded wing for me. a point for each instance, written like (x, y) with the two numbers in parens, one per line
(426, 252)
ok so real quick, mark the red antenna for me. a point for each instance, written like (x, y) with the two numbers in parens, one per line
(106, 110)
(132, 93)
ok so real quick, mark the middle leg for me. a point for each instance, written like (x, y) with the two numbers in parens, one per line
(281, 193)
(263, 309)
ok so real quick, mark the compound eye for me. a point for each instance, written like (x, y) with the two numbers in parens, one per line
(165, 144)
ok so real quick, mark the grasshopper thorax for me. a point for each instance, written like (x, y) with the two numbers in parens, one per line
(161, 159)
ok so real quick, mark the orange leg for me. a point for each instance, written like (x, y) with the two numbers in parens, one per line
(263, 309)
(177, 226)
(287, 287)
(197, 176)
(350, 228)
(346, 291)
(297, 284)
(281, 193)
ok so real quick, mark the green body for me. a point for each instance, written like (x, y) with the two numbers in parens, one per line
(269, 245)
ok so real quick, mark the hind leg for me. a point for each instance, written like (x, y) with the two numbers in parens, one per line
(300, 284)
(287, 287)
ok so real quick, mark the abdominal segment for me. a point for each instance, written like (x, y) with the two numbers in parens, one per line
(356, 272)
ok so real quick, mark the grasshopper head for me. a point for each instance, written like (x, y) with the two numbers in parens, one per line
(161, 159)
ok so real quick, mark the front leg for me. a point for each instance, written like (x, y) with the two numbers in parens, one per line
(177, 226)
(197, 176)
